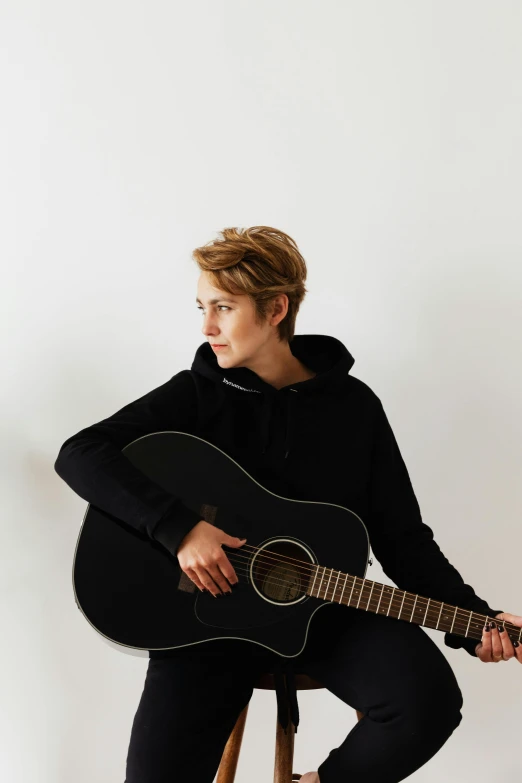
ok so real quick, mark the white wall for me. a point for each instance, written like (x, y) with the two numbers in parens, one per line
(385, 138)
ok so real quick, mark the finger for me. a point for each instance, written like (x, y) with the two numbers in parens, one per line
(518, 651)
(508, 651)
(485, 652)
(226, 569)
(232, 541)
(496, 644)
(219, 579)
(194, 578)
(206, 580)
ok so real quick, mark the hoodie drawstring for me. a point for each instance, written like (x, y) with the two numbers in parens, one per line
(266, 414)
(289, 422)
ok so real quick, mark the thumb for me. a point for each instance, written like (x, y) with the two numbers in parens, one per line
(233, 541)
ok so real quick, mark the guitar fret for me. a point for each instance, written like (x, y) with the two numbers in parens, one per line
(388, 612)
(351, 591)
(328, 585)
(359, 600)
(400, 610)
(452, 619)
(320, 583)
(336, 582)
(315, 578)
(334, 593)
(380, 599)
(370, 596)
(344, 586)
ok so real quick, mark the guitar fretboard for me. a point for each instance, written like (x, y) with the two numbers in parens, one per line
(383, 599)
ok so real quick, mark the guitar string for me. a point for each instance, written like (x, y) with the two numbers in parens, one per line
(456, 627)
(311, 567)
(459, 623)
(394, 604)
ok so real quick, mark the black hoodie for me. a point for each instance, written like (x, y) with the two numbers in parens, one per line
(322, 439)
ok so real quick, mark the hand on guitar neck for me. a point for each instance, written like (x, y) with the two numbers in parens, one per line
(496, 645)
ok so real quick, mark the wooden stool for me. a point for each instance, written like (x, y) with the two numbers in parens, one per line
(284, 747)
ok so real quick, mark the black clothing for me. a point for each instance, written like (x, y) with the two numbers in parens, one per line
(323, 439)
(391, 671)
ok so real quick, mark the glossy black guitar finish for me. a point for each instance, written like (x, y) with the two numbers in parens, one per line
(135, 594)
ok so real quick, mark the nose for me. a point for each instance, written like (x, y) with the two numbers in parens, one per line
(209, 328)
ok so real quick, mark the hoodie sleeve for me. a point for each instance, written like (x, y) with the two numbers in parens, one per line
(403, 543)
(91, 462)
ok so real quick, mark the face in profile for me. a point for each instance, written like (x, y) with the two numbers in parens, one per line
(229, 325)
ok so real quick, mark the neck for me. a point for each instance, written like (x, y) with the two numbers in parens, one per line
(277, 365)
(378, 598)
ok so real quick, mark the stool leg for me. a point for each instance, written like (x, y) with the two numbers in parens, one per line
(228, 764)
(284, 753)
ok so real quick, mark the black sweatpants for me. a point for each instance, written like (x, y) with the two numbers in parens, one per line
(389, 669)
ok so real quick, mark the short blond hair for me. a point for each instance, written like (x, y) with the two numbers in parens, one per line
(260, 262)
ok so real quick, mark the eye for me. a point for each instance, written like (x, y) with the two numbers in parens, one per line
(202, 310)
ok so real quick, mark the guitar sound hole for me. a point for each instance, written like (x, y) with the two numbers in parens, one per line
(281, 571)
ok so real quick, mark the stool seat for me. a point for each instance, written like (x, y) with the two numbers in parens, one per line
(303, 682)
(284, 746)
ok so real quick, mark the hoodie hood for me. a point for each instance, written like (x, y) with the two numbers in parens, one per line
(325, 355)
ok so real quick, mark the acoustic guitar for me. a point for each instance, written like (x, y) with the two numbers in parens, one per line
(299, 556)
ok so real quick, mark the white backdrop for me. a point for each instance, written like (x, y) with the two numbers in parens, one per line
(385, 138)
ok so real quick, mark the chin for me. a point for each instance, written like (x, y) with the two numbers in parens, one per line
(226, 362)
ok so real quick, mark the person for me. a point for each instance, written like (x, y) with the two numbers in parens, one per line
(285, 407)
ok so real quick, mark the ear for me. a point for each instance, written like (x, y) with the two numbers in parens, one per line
(279, 309)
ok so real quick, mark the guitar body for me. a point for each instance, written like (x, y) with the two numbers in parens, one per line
(133, 592)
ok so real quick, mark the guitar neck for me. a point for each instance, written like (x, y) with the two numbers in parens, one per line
(379, 598)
